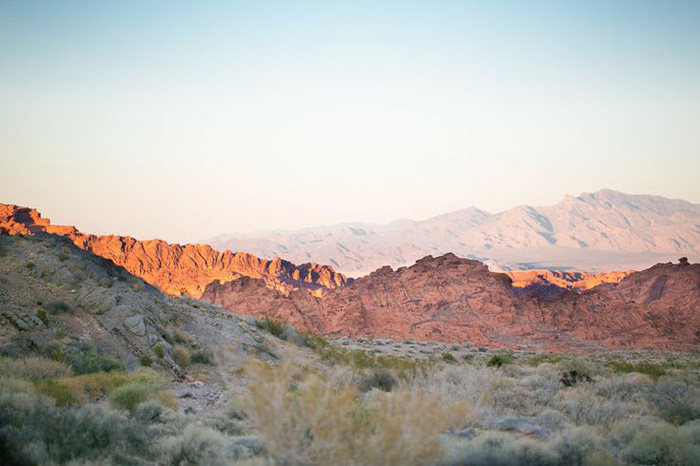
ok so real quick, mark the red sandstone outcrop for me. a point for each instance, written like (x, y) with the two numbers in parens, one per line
(178, 269)
(555, 282)
(451, 299)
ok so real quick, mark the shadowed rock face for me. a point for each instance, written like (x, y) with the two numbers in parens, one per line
(451, 299)
(178, 269)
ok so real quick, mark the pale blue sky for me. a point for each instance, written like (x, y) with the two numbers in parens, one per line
(182, 120)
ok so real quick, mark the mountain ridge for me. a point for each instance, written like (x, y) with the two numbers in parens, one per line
(455, 300)
(177, 269)
(602, 231)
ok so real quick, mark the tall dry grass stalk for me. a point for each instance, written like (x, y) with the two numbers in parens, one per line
(307, 418)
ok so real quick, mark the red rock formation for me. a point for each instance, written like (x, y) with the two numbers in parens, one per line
(453, 300)
(178, 269)
(554, 282)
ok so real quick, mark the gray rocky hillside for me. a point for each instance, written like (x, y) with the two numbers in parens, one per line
(69, 304)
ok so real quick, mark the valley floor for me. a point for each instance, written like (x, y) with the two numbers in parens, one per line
(299, 399)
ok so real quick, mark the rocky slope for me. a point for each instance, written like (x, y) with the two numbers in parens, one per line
(451, 299)
(177, 269)
(61, 301)
(606, 230)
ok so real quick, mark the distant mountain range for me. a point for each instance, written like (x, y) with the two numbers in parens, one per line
(605, 230)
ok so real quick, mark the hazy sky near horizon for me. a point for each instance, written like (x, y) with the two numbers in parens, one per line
(182, 120)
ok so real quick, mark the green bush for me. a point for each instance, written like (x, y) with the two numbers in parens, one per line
(499, 360)
(448, 357)
(146, 360)
(58, 391)
(652, 370)
(91, 361)
(130, 395)
(313, 341)
(273, 326)
(159, 350)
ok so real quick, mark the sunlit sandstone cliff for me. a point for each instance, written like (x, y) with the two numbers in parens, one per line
(178, 269)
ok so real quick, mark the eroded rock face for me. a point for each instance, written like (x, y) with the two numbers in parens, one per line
(555, 282)
(450, 299)
(178, 269)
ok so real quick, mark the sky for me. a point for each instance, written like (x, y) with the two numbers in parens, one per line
(182, 120)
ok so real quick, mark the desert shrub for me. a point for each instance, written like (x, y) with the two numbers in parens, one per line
(626, 387)
(308, 419)
(179, 336)
(573, 377)
(202, 357)
(652, 370)
(404, 367)
(57, 307)
(37, 432)
(379, 379)
(8, 385)
(146, 360)
(59, 392)
(182, 355)
(692, 429)
(551, 419)
(582, 446)
(499, 449)
(499, 360)
(203, 445)
(91, 361)
(273, 326)
(130, 395)
(583, 406)
(677, 400)
(654, 442)
(93, 434)
(313, 341)
(93, 387)
(541, 384)
(449, 358)
(33, 368)
(538, 359)
(159, 350)
(43, 316)
(507, 395)
(457, 383)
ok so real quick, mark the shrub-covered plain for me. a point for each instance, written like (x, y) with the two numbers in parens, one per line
(325, 404)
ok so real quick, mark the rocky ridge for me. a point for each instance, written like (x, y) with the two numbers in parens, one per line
(178, 269)
(454, 300)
